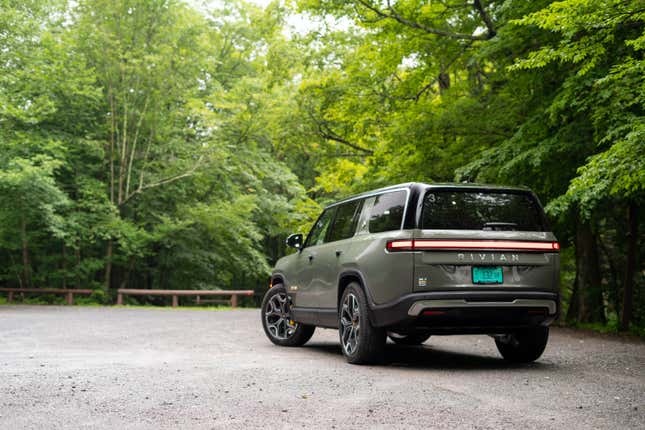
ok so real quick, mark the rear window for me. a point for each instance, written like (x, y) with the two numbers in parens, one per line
(387, 212)
(481, 210)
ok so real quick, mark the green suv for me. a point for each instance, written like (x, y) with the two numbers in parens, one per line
(413, 260)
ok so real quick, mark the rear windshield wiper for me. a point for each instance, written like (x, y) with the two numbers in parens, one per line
(500, 226)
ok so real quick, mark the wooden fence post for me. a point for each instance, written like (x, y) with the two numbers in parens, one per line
(175, 301)
(10, 297)
(119, 299)
(233, 300)
(70, 298)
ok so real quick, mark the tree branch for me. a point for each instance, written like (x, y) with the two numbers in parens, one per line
(328, 134)
(428, 86)
(134, 145)
(331, 136)
(141, 188)
(394, 15)
(486, 18)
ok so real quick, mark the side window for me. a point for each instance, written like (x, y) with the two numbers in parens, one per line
(345, 222)
(319, 230)
(387, 212)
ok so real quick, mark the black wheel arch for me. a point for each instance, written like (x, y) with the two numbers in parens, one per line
(277, 279)
(349, 276)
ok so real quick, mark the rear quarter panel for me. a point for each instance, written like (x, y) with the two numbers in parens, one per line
(387, 276)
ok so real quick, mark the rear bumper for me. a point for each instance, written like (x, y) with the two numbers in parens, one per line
(453, 312)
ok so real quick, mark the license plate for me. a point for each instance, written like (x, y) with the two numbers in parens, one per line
(488, 275)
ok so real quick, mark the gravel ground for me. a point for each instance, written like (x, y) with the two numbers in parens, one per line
(81, 367)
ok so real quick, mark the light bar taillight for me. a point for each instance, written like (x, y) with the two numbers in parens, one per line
(508, 245)
(403, 245)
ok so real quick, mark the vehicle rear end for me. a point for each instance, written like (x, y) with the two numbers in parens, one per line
(484, 262)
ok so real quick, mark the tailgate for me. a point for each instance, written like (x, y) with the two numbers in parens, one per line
(458, 259)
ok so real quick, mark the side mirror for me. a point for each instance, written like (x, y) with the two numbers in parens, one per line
(295, 241)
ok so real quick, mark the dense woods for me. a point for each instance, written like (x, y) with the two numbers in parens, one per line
(170, 144)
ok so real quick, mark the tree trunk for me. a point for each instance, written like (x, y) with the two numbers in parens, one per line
(587, 301)
(77, 254)
(108, 264)
(127, 273)
(26, 264)
(444, 81)
(630, 266)
(63, 266)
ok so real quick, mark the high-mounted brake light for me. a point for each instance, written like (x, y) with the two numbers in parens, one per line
(510, 245)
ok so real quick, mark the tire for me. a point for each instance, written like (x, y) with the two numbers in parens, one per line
(408, 339)
(523, 346)
(360, 341)
(277, 323)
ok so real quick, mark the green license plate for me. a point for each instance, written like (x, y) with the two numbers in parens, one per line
(488, 275)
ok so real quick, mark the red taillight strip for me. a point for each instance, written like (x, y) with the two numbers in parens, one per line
(400, 244)
(485, 244)
(412, 245)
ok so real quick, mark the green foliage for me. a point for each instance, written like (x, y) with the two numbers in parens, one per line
(29, 193)
(605, 89)
(154, 143)
(137, 140)
(543, 94)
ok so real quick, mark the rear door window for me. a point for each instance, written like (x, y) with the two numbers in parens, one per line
(481, 210)
(387, 212)
(345, 222)
(319, 230)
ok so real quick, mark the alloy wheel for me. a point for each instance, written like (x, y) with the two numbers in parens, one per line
(278, 317)
(350, 320)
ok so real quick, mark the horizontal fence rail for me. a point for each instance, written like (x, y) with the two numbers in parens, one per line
(69, 293)
(176, 293)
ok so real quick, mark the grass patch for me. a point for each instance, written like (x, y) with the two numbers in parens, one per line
(192, 308)
(612, 327)
(3, 301)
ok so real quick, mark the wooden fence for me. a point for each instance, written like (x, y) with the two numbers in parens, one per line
(176, 293)
(69, 293)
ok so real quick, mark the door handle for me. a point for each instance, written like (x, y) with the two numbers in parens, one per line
(311, 257)
(338, 252)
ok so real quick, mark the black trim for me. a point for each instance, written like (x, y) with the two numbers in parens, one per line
(395, 313)
(277, 279)
(410, 221)
(328, 318)
(320, 317)
(304, 315)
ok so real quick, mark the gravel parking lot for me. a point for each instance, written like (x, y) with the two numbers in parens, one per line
(83, 367)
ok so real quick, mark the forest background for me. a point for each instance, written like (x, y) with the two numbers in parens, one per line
(173, 144)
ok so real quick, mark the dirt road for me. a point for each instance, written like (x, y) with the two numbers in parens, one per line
(120, 368)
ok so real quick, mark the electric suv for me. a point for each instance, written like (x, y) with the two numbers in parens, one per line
(413, 260)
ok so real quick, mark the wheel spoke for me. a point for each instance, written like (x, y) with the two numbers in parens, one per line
(347, 334)
(270, 309)
(278, 318)
(350, 324)
(347, 341)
